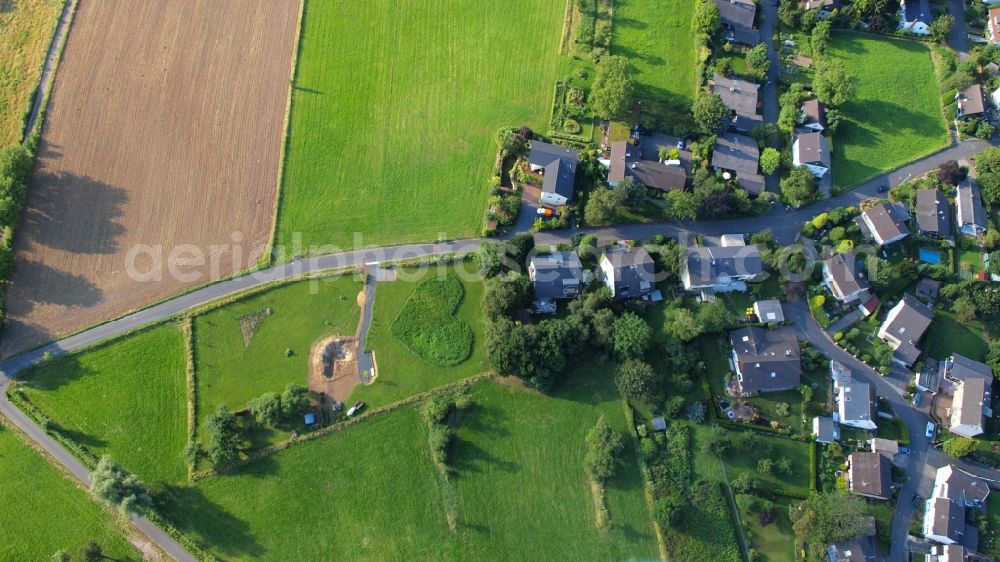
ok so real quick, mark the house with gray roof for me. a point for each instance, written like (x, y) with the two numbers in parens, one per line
(740, 96)
(944, 520)
(642, 162)
(556, 276)
(859, 549)
(825, 430)
(813, 152)
(960, 487)
(969, 407)
(869, 475)
(628, 272)
(737, 21)
(971, 102)
(933, 214)
(813, 116)
(765, 360)
(903, 328)
(885, 222)
(738, 155)
(969, 212)
(720, 269)
(856, 405)
(769, 312)
(557, 164)
(843, 279)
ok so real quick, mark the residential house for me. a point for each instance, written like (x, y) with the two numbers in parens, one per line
(933, 214)
(928, 290)
(869, 475)
(737, 17)
(968, 406)
(954, 553)
(765, 360)
(812, 151)
(993, 26)
(842, 278)
(944, 520)
(740, 97)
(556, 276)
(927, 379)
(904, 326)
(856, 405)
(887, 447)
(629, 273)
(995, 96)
(960, 487)
(825, 429)
(969, 212)
(913, 19)
(738, 155)
(813, 116)
(858, 549)
(885, 222)
(720, 269)
(558, 166)
(971, 102)
(953, 492)
(769, 311)
(825, 7)
(642, 162)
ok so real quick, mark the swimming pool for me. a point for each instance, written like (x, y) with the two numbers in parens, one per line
(928, 255)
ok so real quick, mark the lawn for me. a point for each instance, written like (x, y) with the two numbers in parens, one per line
(740, 462)
(656, 37)
(970, 262)
(44, 512)
(946, 336)
(392, 124)
(990, 541)
(126, 399)
(401, 373)
(775, 542)
(894, 117)
(26, 28)
(302, 313)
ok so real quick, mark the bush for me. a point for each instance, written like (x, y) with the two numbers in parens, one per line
(603, 447)
(426, 324)
(819, 221)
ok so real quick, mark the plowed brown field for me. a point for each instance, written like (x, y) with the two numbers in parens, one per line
(164, 130)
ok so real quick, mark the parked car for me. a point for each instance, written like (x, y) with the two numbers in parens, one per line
(883, 188)
(680, 144)
(930, 430)
(355, 408)
(905, 450)
(916, 400)
(916, 501)
(546, 212)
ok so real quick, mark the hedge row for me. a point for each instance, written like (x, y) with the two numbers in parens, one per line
(16, 161)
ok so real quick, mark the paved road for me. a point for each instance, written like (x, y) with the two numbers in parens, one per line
(51, 60)
(770, 88)
(959, 37)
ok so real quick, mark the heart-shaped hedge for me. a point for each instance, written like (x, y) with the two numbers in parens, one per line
(426, 325)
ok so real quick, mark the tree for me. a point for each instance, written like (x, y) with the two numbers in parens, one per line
(92, 552)
(604, 445)
(295, 400)
(600, 209)
(832, 83)
(799, 188)
(717, 441)
(988, 174)
(505, 294)
(964, 310)
(709, 113)
(984, 130)
(224, 436)
(611, 95)
(632, 336)
(636, 380)
(807, 392)
(784, 466)
(820, 37)
(828, 518)
(714, 316)
(680, 206)
(60, 556)
(630, 193)
(765, 466)
(706, 19)
(118, 487)
(941, 27)
(770, 159)
(758, 61)
(958, 447)
(668, 509)
(267, 409)
(674, 407)
(744, 483)
(950, 172)
(696, 412)
(682, 324)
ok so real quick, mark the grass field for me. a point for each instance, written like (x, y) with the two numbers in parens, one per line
(125, 399)
(775, 542)
(400, 372)
(426, 325)
(303, 313)
(404, 113)
(656, 37)
(44, 512)
(26, 28)
(946, 336)
(894, 116)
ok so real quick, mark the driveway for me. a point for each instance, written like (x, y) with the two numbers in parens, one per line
(959, 38)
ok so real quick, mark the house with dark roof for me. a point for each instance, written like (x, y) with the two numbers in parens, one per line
(944, 513)
(629, 273)
(769, 311)
(913, 19)
(738, 156)
(954, 553)
(740, 97)
(933, 214)
(944, 520)
(969, 212)
(720, 269)
(859, 549)
(960, 487)
(641, 161)
(869, 475)
(885, 222)
(971, 102)
(825, 430)
(843, 279)
(558, 166)
(903, 328)
(813, 116)
(813, 152)
(737, 18)
(556, 276)
(765, 360)
(856, 405)
(825, 7)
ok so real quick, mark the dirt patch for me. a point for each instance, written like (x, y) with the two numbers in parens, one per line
(333, 367)
(250, 323)
(163, 136)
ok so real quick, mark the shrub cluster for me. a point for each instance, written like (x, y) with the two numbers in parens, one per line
(426, 325)
(15, 166)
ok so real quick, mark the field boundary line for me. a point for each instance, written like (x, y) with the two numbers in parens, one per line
(336, 427)
(191, 380)
(735, 512)
(567, 28)
(647, 486)
(267, 258)
(47, 77)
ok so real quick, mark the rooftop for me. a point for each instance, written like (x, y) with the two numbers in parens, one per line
(933, 213)
(870, 474)
(768, 359)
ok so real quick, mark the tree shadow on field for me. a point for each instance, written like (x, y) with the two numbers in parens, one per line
(72, 213)
(194, 514)
(18, 336)
(48, 376)
(85, 439)
(306, 90)
(43, 284)
(470, 457)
